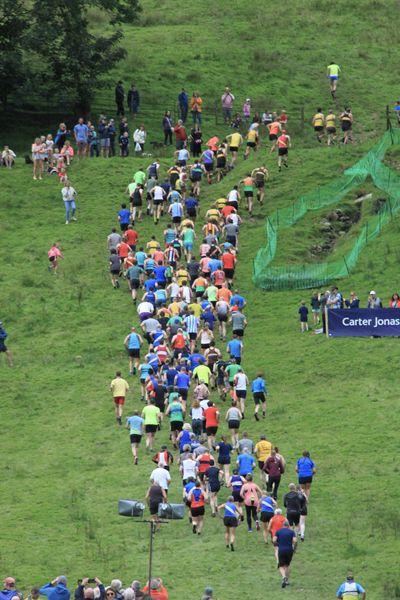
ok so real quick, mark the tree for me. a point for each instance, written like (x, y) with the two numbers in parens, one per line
(76, 60)
(14, 21)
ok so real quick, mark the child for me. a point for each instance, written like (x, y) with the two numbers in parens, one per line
(315, 307)
(247, 110)
(124, 143)
(303, 312)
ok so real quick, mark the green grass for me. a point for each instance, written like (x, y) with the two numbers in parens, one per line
(65, 464)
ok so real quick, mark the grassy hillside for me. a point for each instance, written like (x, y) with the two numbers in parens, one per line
(65, 462)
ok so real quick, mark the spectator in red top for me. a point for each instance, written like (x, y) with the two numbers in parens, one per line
(274, 468)
(228, 260)
(180, 135)
(211, 416)
(156, 590)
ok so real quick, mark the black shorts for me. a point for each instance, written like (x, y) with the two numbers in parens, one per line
(211, 430)
(176, 219)
(224, 461)
(258, 397)
(215, 490)
(231, 239)
(229, 273)
(318, 128)
(157, 202)
(135, 438)
(115, 272)
(303, 480)
(191, 212)
(265, 517)
(3, 348)
(52, 258)
(331, 129)
(234, 424)
(150, 428)
(134, 283)
(221, 163)
(284, 558)
(293, 518)
(346, 126)
(222, 318)
(233, 148)
(236, 496)
(272, 137)
(241, 394)
(260, 184)
(154, 507)
(208, 167)
(260, 464)
(248, 193)
(251, 144)
(238, 332)
(134, 352)
(198, 511)
(282, 151)
(192, 336)
(230, 522)
(183, 392)
(176, 425)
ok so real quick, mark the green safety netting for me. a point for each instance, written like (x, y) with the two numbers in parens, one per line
(319, 274)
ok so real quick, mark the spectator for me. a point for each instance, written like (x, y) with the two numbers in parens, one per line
(183, 102)
(394, 301)
(133, 100)
(334, 299)
(81, 133)
(8, 157)
(119, 98)
(167, 128)
(9, 582)
(373, 300)
(139, 137)
(195, 106)
(351, 589)
(156, 590)
(180, 135)
(56, 589)
(353, 301)
(227, 100)
(83, 592)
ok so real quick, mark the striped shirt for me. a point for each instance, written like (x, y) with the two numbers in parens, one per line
(192, 324)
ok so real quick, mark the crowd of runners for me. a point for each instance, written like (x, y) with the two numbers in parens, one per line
(185, 349)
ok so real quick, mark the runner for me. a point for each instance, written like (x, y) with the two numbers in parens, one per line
(234, 141)
(284, 144)
(251, 494)
(133, 343)
(152, 418)
(175, 412)
(303, 511)
(346, 120)
(305, 469)
(330, 126)
(293, 503)
(274, 130)
(318, 122)
(240, 383)
(231, 516)
(274, 468)
(262, 450)
(259, 176)
(285, 539)
(333, 71)
(135, 424)
(259, 391)
(197, 497)
(267, 506)
(212, 479)
(211, 416)
(155, 495)
(119, 387)
(233, 417)
(248, 188)
(251, 142)
(157, 195)
(221, 161)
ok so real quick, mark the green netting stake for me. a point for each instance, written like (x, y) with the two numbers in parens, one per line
(390, 208)
(366, 233)
(346, 265)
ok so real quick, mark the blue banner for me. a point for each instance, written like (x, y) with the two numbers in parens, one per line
(364, 322)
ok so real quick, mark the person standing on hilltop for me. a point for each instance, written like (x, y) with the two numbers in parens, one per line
(333, 71)
(183, 103)
(227, 100)
(133, 100)
(119, 98)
